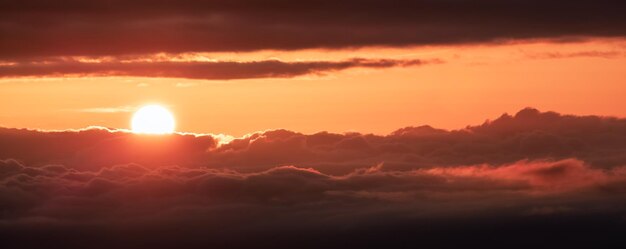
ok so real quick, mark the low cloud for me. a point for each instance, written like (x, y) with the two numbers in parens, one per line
(516, 178)
(287, 185)
(529, 134)
(167, 204)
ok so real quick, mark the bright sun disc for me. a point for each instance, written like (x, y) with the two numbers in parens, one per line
(153, 119)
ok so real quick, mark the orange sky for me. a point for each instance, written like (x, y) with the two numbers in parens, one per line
(471, 84)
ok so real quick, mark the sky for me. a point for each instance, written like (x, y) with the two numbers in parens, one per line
(244, 66)
(313, 124)
(451, 87)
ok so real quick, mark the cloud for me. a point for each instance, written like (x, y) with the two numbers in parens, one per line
(183, 85)
(591, 54)
(38, 28)
(93, 148)
(290, 184)
(517, 178)
(52, 202)
(108, 109)
(220, 70)
(529, 134)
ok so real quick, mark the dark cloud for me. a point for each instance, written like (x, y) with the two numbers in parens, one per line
(539, 179)
(41, 28)
(222, 70)
(286, 206)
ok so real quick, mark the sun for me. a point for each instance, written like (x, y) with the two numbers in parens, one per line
(153, 119)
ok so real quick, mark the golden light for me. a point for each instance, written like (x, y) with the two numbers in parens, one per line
(153, 119)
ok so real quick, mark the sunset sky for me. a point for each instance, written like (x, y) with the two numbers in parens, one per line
(401, 119)
(451, 87)
(236, 67)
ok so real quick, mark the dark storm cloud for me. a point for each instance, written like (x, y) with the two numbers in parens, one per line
(534, 178)
(218, 70)
(59, 28)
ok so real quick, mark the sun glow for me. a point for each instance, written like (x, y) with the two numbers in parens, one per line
(153, 119)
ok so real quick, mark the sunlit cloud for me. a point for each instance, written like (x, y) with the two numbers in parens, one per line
(187, 84)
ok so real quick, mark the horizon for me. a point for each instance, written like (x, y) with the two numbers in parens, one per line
(230, 137)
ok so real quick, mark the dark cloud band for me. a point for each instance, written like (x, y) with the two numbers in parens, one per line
(42, 28)
(219, 70)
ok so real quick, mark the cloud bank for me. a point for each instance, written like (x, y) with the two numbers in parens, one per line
(539, 179)
(529, 134)
(76, 28)
(39, 36)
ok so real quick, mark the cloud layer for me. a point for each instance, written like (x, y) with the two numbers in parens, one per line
(529, 134)
(76, 28)
(214, 70)
(39, 36)
(540, 179)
